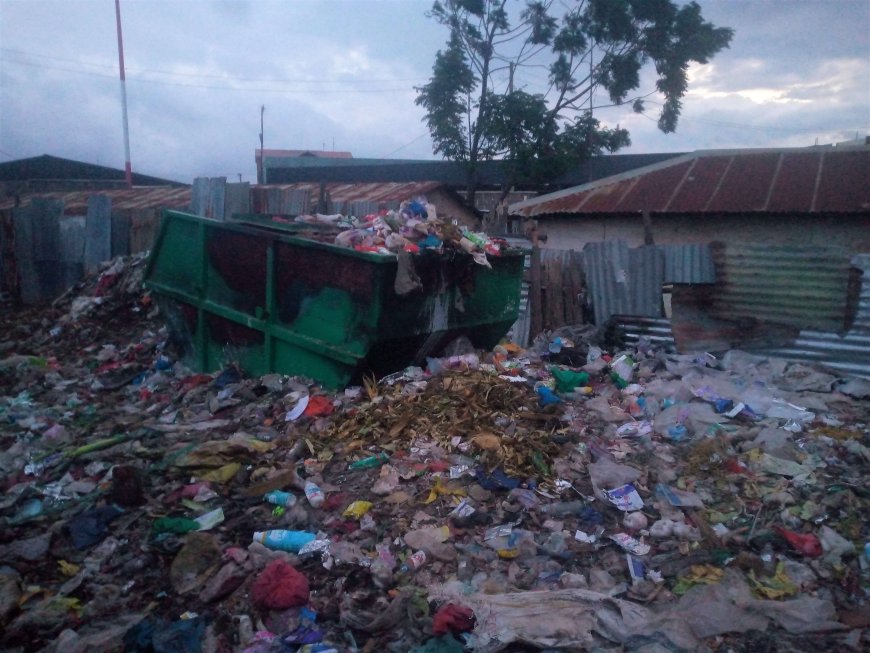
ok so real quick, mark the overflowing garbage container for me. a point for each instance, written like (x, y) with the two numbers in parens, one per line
(271, 295)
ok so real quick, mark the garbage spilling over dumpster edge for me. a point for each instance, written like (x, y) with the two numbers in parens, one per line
(577, 495)
(413, 227)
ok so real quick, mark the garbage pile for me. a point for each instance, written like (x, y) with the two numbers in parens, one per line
(568, 497)
(415, 226)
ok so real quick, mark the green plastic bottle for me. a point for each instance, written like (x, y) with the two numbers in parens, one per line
(370, 462)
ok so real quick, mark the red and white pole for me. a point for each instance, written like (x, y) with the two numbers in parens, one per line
(128, 169)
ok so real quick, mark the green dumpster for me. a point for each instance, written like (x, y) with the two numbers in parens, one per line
(271, 297)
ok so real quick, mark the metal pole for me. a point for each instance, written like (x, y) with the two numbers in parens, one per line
(261, 169)
(128, 169)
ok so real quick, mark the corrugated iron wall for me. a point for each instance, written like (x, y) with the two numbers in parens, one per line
(656, 330)
(623, 281)
(862, 315)
(804, 287)
(607, 273)
(688, 263)
(807, 288)
(849, 352)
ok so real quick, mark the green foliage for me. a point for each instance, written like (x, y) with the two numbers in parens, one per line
(476, 111)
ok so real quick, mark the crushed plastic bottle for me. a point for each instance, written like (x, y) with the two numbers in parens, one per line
(371, 462)
(282, 540)
(279, 498)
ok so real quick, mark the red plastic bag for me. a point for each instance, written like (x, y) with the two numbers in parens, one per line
(318, 406)
(452, 618)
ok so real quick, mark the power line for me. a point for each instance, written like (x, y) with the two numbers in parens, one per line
(411, 142)
(230, 78)
(249, 89)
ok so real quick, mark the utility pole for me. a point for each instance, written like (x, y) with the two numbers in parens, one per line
(128, 168)
(261, 168)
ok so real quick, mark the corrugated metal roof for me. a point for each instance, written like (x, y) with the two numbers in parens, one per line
(76, 203)
(148, 197)
(320, 154)
(490, 174)
(361, 192)
(815, 180)
(55, 168)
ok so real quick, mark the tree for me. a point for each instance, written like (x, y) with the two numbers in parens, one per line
(475, 112)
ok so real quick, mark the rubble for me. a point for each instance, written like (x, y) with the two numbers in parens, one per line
(574, 496)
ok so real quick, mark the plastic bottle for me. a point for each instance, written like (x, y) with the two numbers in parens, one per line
(314, 494)
(370, 462)
(281, 540)
(414, 562)
(279, 498)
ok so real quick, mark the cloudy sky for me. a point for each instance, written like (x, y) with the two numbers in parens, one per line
(339, 74)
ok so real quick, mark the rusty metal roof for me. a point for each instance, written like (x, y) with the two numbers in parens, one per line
(806, 180)
(164, 197)
(145, 197)
(364, 192)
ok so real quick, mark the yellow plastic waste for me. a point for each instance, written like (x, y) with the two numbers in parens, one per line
(357, 509)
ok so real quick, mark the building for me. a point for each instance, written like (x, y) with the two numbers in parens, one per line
(51, 173)
(801, 196)
(766, 250)
(269, 158)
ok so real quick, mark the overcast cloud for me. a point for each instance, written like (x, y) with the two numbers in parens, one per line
(339, 74)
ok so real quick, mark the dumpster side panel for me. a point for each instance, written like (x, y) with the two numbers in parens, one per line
(328, 295)
(236, 272)
(176, 260)
(270, 300)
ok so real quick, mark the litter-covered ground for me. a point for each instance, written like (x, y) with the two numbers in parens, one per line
(569, 497)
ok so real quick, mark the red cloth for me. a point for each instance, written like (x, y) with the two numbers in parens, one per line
(279, 587)
(806, 543)
(452, 618)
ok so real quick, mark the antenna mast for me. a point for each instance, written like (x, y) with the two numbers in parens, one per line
(128, 169)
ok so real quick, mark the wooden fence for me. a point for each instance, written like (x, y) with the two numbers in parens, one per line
(557, 290)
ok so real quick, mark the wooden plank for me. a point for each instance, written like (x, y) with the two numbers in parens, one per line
(554, 294)
(576, 283)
